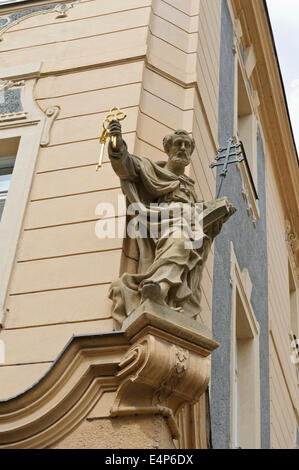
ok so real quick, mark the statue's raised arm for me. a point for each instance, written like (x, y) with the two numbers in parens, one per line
(125, 165)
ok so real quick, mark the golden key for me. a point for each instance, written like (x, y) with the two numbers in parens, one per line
(114, 114)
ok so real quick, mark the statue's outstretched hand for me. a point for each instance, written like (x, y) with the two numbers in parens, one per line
(114, 129)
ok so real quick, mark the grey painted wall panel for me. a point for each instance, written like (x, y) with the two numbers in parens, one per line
(220, 379)
(10, 101)
(250, 246)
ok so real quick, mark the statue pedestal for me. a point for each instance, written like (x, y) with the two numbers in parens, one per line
(166, 367)
(152, 316)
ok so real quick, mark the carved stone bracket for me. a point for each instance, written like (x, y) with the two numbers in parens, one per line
(159, 378)
(51, 115)
(166, 367)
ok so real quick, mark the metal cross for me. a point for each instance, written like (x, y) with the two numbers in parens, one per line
(226, 153)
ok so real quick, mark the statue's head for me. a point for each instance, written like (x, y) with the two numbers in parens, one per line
(179, 147)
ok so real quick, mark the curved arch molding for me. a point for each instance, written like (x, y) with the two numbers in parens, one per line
(159, 364)
(53, 406)
(7, 21)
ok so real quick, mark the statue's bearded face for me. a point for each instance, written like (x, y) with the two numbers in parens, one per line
(180, 151)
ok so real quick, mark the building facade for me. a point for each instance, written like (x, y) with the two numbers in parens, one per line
(207, 66)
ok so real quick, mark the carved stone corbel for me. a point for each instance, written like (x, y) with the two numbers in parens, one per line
(159, 378)
(166, 366)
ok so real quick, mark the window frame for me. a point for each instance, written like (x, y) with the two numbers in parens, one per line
(29, 131)
(10, 166)
(294, 301)
(252, 165)
(245, 62)
(241, 286)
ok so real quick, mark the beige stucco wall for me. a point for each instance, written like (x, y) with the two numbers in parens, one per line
(284, 394)
(159, 61)
(135, 432)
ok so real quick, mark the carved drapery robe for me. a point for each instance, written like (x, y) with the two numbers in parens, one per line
(161, 259)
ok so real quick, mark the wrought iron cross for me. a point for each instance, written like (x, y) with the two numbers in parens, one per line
(226, 153)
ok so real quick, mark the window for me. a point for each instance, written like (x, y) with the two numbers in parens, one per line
(236, 399)
(245, 370)
(8, 2)
(6, 169)
(244, 380)
(247, 126)
(22, 125)
(294, 320)
(8, 152)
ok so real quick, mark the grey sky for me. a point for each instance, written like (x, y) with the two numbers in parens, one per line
(284, 15)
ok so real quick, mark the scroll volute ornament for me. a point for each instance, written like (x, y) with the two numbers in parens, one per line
(291, 237)
(159, 377)
(50, 116)
(293, 245)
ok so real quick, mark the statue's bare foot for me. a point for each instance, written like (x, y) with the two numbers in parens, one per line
(152, 290)
(178, 309)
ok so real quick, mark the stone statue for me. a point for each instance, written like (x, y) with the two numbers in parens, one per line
(170, 263)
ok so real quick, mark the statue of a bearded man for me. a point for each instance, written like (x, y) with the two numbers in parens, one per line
(172, 248)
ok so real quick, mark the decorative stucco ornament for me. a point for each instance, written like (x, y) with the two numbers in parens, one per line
(17, 16)
(51, 115)
(63, 8)
(7, 84)
(162, 386)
